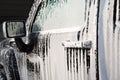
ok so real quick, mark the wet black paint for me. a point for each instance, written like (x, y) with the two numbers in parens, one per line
(114, 15)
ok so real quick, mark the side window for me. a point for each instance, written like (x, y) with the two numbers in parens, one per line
(116, 14)
(119, 10)
(55, 14)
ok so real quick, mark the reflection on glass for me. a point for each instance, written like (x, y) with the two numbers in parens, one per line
(15, 29)
(60, 14)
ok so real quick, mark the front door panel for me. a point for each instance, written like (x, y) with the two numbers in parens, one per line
(68, 51)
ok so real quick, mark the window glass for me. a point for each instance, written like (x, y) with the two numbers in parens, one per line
(118, 10)
(55, 14)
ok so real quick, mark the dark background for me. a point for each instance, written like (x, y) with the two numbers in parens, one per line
(14, 9)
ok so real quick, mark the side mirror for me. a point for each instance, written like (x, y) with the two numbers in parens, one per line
(12, 29)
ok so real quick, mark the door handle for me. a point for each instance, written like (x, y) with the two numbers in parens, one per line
(80, 44)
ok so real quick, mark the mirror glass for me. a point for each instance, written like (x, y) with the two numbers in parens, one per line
(15, 29)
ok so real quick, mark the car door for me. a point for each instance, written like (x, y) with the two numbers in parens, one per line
(109, 41)
(67, 40)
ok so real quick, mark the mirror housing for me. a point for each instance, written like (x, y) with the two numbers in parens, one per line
(13, 29)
